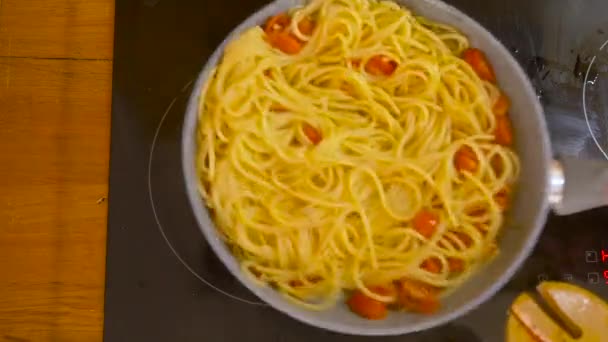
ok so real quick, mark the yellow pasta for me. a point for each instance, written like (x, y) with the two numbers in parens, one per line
(315, 167)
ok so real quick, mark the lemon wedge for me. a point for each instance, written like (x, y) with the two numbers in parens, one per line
(575, 315)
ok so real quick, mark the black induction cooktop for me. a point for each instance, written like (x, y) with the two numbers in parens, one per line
(163, 283)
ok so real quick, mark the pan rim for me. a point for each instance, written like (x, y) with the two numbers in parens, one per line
(189, 131)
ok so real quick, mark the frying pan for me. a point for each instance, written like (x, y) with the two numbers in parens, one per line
(541, 186)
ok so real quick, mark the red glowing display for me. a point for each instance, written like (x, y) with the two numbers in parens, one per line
(605, 260)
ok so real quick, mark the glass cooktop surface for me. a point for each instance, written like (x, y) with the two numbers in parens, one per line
(163, 283)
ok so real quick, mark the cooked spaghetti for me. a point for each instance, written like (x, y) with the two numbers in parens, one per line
(350, 145)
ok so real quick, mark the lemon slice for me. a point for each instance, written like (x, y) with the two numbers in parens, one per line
(528, 322)
(581, 316)
(578, 308)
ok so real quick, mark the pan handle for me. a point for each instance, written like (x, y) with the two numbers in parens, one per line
(578, 185)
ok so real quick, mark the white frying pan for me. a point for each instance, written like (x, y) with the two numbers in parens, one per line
(542, 184)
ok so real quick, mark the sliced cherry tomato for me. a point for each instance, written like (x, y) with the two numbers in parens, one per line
(464, 238)
(312, 134)
(502, 105)
(285, 42)
(503, 134)
(277, 23)
(466, 160)
(425, 223)
(497, 164)
(432, 265)
(482, 228)
(502, 198)
(366, 307)
(478, 61)
(380, 65)
(417, 296)
(456, 265)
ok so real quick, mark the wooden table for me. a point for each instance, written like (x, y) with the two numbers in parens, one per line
(55, 99)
